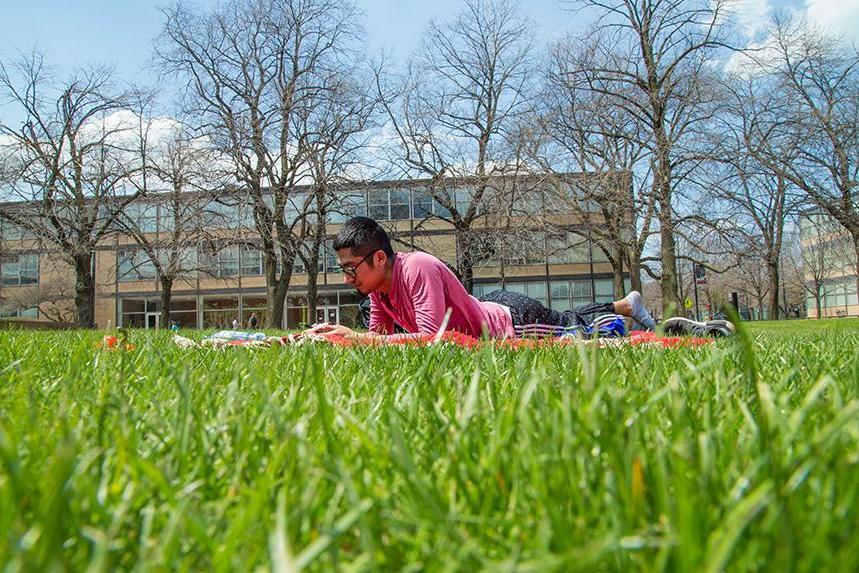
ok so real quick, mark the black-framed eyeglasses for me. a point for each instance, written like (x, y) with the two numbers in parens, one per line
(352, 271)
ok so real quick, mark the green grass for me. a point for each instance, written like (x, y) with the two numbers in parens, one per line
(807, 326)
(743, 456)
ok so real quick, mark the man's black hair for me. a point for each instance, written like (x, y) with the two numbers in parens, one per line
(363, 236)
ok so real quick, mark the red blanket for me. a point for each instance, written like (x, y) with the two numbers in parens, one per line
(638, 338)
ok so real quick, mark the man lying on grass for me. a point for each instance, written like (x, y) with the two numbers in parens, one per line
(416, 290)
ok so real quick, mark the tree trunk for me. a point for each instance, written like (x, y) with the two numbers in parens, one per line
(166, 295)
(275, 307)
(464, 264)
(318, 245)
(773, 272)
(634, 272)
(817, 303)
(84, 291)
(312, 288)
(856, 250)
(670, 297)
(617, 272)
(275, 289)
(502, 273)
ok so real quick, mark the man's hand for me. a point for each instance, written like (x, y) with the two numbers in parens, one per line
(335, 329)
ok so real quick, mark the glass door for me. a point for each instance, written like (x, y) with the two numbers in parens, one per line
(152, 319)
(329, 314)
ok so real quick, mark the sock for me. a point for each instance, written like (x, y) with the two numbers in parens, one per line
(639, 313)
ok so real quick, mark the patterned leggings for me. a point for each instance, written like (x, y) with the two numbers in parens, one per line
(530, 317)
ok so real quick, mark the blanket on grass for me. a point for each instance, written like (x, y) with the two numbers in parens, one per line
(636, 339)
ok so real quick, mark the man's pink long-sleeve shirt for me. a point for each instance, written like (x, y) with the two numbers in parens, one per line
(422, 290)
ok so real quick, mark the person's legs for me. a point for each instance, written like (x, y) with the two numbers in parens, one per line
(587, 313)
(529, 316)
(633, 306)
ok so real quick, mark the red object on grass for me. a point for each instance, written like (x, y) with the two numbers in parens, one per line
(466, 341)
(110, 342)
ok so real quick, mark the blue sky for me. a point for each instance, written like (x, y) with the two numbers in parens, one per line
(120, 32)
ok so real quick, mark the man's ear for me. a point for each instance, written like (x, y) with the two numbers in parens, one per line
(380, 258)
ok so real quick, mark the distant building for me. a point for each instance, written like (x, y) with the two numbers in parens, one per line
(829, 266)
(561, 269)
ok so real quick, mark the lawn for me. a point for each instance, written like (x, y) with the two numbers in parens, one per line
(741, 456)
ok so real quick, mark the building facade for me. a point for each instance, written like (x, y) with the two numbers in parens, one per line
(561, 269)
(829, 267)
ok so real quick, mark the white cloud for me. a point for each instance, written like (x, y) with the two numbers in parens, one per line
(835, 16)
(752, 16)
(757, 56)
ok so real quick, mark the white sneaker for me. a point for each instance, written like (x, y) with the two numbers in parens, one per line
(681, 326)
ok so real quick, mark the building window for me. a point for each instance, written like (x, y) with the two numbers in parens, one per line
(581, 292)
(254, 305)
(567, 248)
(297, 204)
(221, 215)
(464, 196)
(839, 293)
(246, 213)
(527, 201)
(347, 205)
(11, 232)
(143, 313)
(422, 204)
(567, 294)
(377, 205)
(389, 204)
(536, 290)
(19, 270)
(134, 265)
(400, 208)
(332, 265)
(561, 295)
(442, 197)
(144, 216)
(599, 255)
(228, 261)
(251, 262)
(482, 289)
(425, 205)
(298, 266)
(296, 312)
(220, 312)
(603, 290)
(32, 312)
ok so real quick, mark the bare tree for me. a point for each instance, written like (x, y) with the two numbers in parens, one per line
(252, 65)
(816, 79)
(807, 255)
(335, 129)
(754, 275)
(762, 200)
(793, 280)
(454, 114)
(66, 164)
(589, 132)
(50, 297)
(175, 185)
(651, 58)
